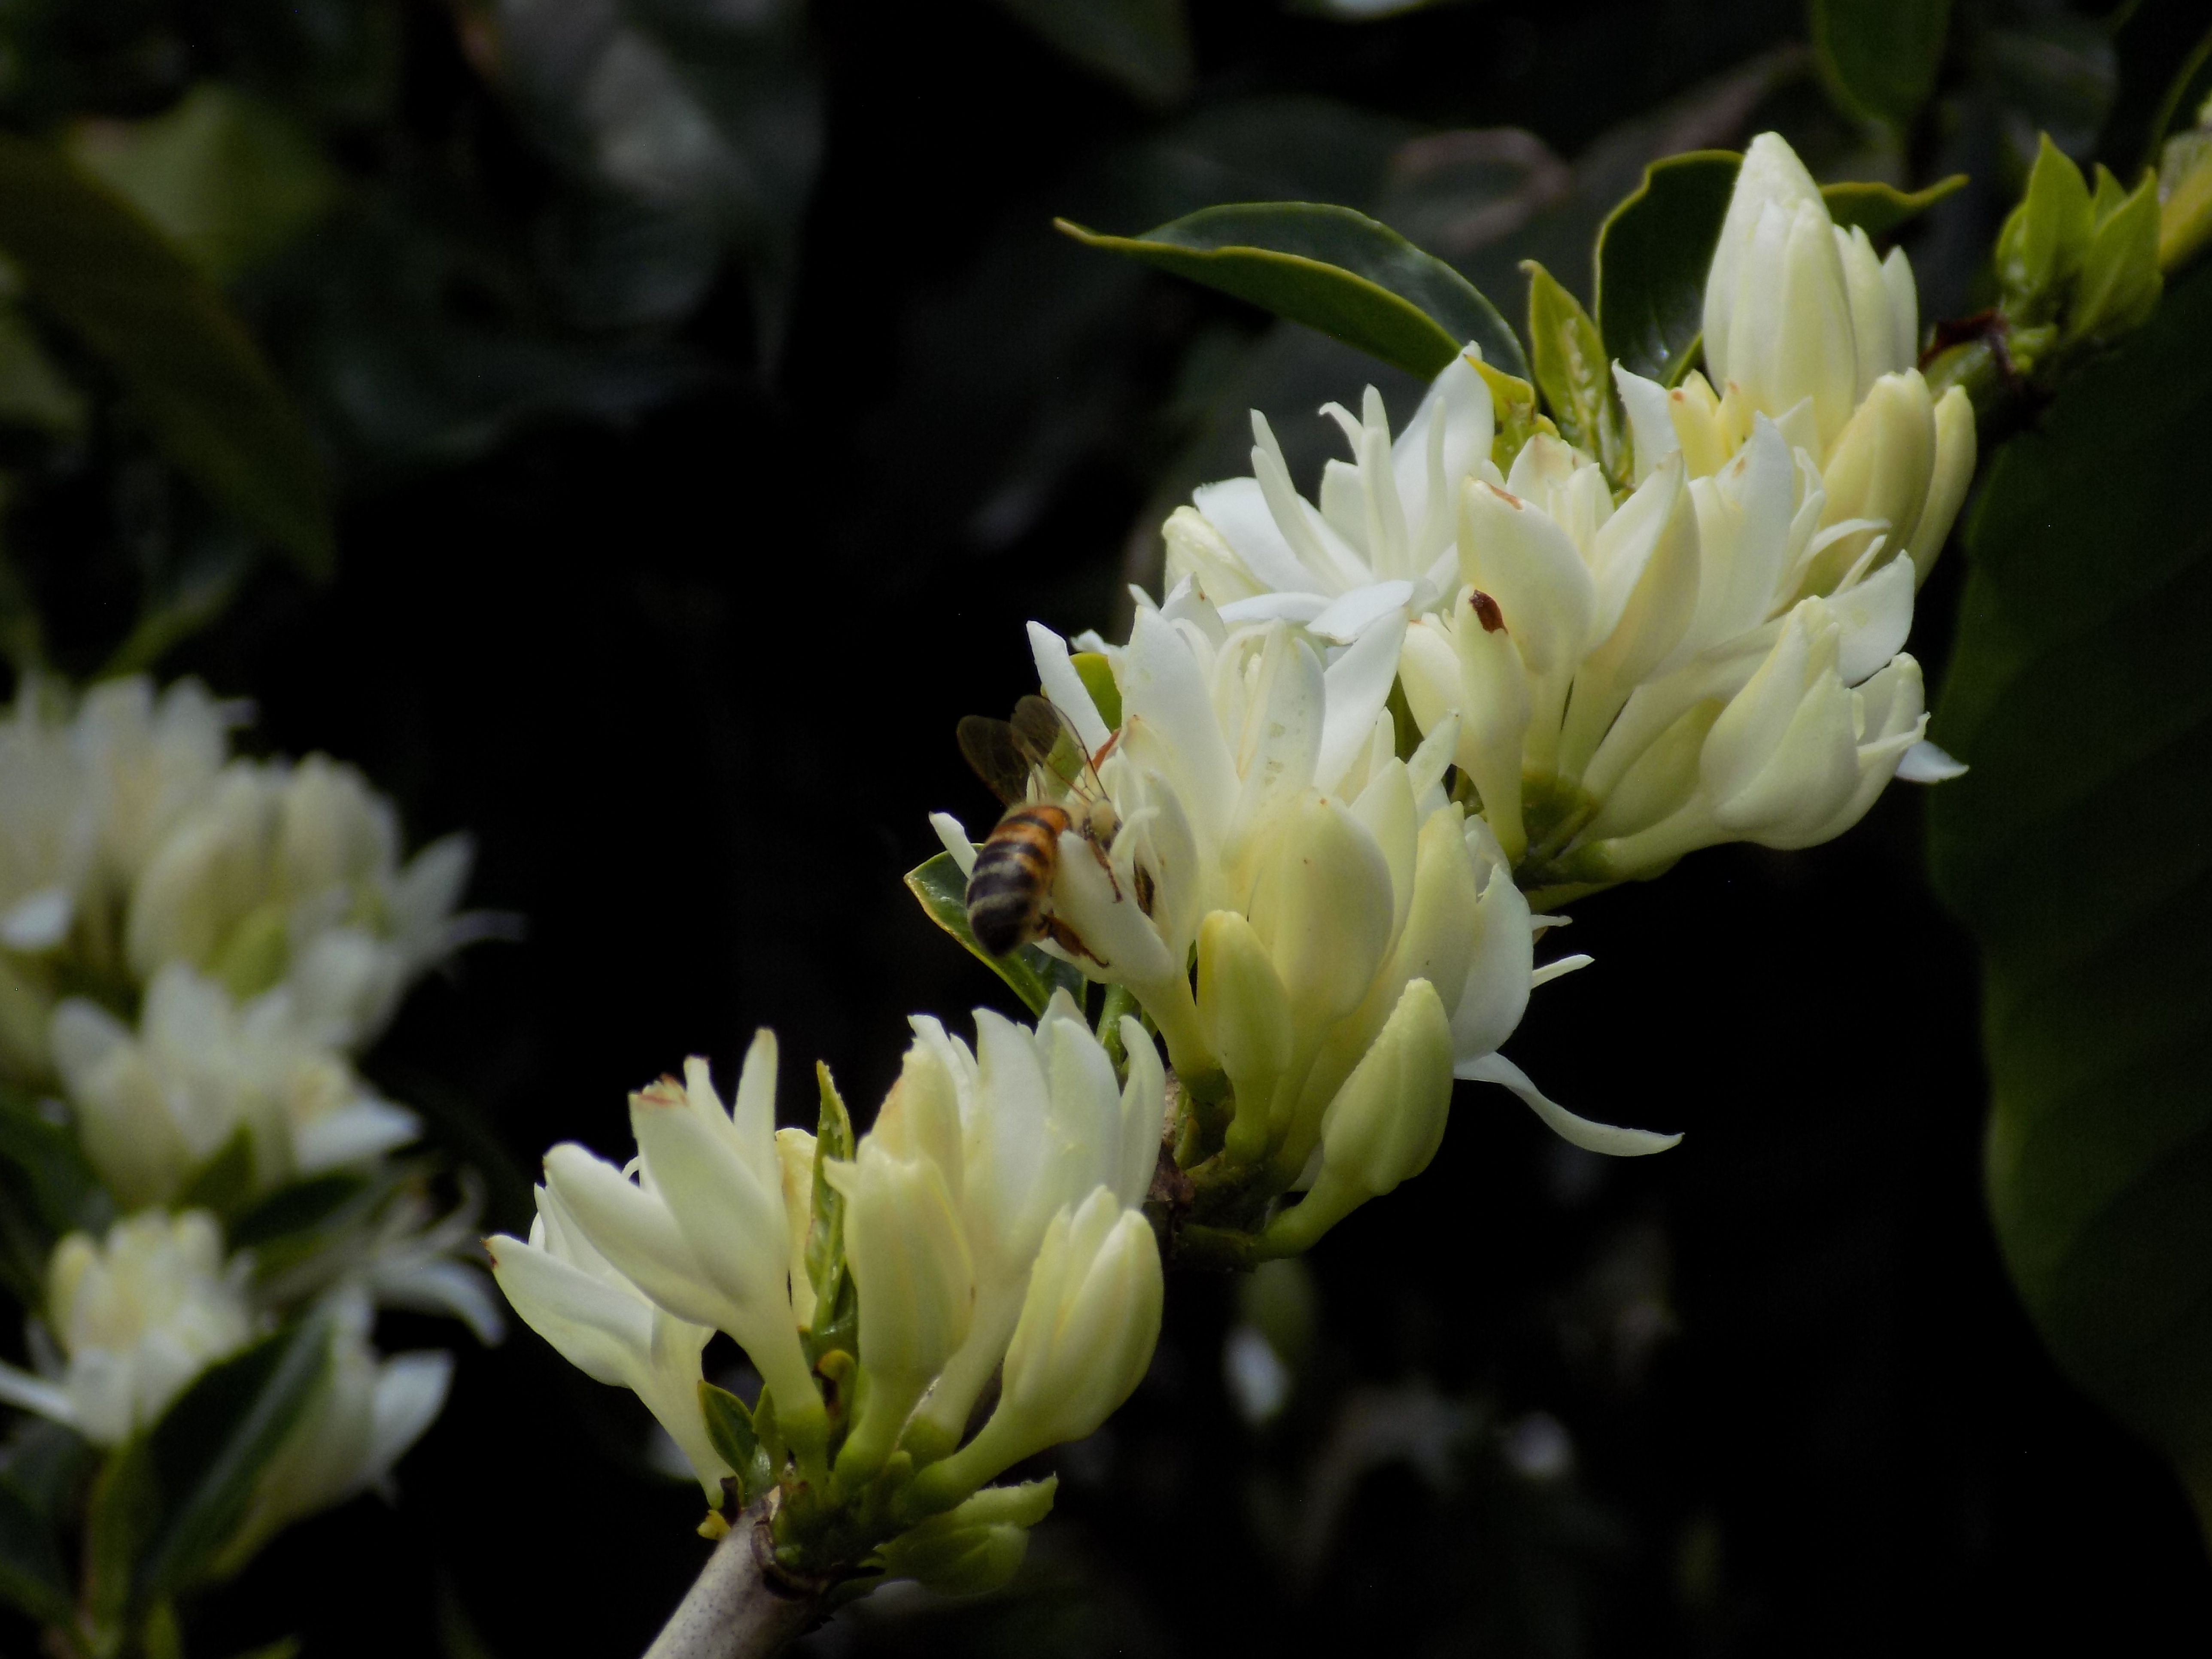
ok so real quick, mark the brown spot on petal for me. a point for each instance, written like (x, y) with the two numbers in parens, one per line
(1486, 608)
(1506, 496)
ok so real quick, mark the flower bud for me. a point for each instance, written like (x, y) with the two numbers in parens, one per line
(976, 1548)
(1783, 756)
(1955, 450)
(1385, 1125)
(916, 1279)
(1246, 1017)
(1324, 909)
(1083, 1343)
(1881, 470)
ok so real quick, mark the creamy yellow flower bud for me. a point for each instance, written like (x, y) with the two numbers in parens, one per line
(1880, 471)
(1083, 1343)
(1385, 1125)
(910, 1263)
(977, 1547)
(1246, 1016)
(1956, 451)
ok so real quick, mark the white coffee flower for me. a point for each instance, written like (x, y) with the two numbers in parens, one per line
(703, 1230)
(1380, 543)
(153, 1105)
(1250, 778)
(292, 874)
(607, 1328)
(136, 1315)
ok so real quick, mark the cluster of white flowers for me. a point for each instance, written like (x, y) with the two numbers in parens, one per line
(1598, 686)
(990, 1224)
(193, 948)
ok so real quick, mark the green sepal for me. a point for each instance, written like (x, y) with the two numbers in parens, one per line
(32, 1576)
(1653, 253)
(1879, 209)
(1514, 419)
(836, 1303)
(194, 375)
(2044, 239)
(730, 1427)
(223, 1182)
(1032, 974)
(1573, 372)
(1097, 676)
(1337, 272)
(2120, 283)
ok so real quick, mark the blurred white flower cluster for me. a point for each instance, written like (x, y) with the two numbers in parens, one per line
(194, 946)
(987, 1226)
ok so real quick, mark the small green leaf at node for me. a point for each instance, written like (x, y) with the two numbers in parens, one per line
(2041, 245)
(2120, 284)
(1513, 414)
(1335, 270)
(730, 1427)
(1573, 372)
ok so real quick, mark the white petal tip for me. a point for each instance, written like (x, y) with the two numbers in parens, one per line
(951, 831)
(1925, 763)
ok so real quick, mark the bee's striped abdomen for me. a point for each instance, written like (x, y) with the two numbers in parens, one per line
(1012, 877)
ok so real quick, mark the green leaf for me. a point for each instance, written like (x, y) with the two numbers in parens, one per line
(1034, 975)
(730, 1426)
(1573, 371)
(204, 1460)
(836, 1323)
(224, 1182)
(2120, 283)
(32, 1576)
(194, 373)
(1880, 208)
(225, 177)
(64, 1192)
(1143, 46)
(1879, 58)
(2079, 693)
(1653, 252)
(2041, 247)
(1334, 270)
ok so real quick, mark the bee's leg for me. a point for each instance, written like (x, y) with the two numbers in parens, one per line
(1071, 941)
(1106, 865)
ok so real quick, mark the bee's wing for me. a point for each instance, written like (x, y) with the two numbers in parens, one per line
(1049, 739)
(995, 750)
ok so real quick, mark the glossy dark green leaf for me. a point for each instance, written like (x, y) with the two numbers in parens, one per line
(1879, 56)
(1034, 975)
(1143, 46)
(1334, 270)
(1880, 208)
(1574, 371)
(32, 1576)
(1653, 252)
(2080, 693)
(194, 375)
(205, 1457)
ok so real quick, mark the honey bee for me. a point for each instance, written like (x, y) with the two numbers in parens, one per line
(1009, 891)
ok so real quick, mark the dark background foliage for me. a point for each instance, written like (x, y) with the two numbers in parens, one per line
(677, 529)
